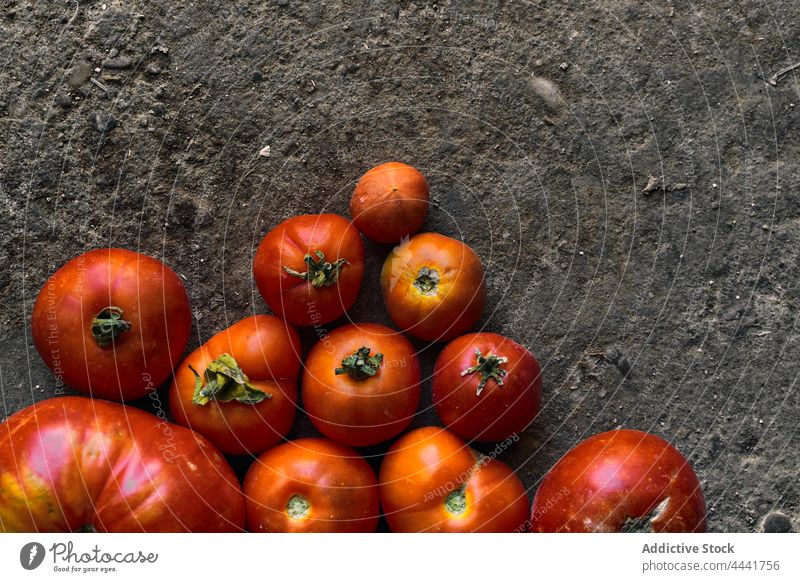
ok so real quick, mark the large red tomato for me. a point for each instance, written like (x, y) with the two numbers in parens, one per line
(431, 481)
(72, 464)
(112, 323)
(311, 485)
(618, 481)
(309, 268)
(239, 389)
(390, 201)
(361, 384)
(486, 387)
(433, 286)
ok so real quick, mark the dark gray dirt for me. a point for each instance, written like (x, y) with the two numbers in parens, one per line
(623, 169)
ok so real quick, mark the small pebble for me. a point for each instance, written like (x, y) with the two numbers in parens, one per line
(102, 121)
(777, 523)
(117, 63)
(152, 69)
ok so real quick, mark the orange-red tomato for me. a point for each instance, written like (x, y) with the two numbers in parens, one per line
(311, 485)
(71, 464)
(309, 268)
(361, 384)
(239, 389)
(433, 286)
(617, 481)
(431, 481)
(112, 323)
(486, 387)
(390, 201)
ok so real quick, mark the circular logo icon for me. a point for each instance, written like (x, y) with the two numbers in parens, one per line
(31, 555)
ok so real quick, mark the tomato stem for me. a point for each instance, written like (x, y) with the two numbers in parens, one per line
(320, 273)
(427, 280)
(298, 507)
(488, 367)
(108, 325)
(360, 365)
(456, 502)
(224, 382)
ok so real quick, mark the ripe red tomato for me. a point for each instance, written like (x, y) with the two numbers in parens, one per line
(309, 268)
(486, 387)
(239, 389)
(311, 485)
(390, 201)
(433, 286)
(72, 464)
(618, 481)
(361, 384)
(112, 323)
(431, 481)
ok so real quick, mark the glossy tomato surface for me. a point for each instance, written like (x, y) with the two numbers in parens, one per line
(620, 480)
(112, 323)
(431, 481)
(433, 286)
(240, 414)
(361, 384)
(486, 387)
(72, 464)
(309, 268)
(311, 485)
(389, 202)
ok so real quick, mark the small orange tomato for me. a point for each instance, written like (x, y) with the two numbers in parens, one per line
(431, 481)
(239, 389)
(311, 485)
(486, 387)
(309, 268)
(361, 384)
(433, 286)
(390, 201)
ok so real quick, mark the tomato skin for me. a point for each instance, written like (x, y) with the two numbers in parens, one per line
(616, 476)
(389, 202)
(362, 412)
(267, 350)
(499, 411)
(73, 463)
(336, 481)
(456, 301)
(426, 465)
(293, 298)
(152, 298)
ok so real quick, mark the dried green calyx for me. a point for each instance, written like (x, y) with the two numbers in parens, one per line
(224, 381)
(320, 273)
(490, 366)
(360, 365)
(108, 325)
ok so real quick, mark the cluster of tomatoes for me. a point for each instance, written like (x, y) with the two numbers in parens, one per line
(113, 324)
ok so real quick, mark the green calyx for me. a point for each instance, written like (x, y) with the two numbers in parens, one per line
(108, 325)
(320, 272)
(360, 365)
(427, 280)
(488, 367)
(224, 381)
(456, 501)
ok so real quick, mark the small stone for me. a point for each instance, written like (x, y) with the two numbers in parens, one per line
(102, 121)
(117, 63)
(283, 2)
(79, 74)
(63, 100)
(777, 523)
(112, 53)
(257, 77)
(152, 69)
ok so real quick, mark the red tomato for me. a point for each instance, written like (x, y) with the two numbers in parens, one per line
(431, 481)
(239, 389)
(361, 384)
(72, 464)
(618, 481)
(486, 387)
(112, 323)
(311, 485)
(390, 201)
(433, 286)
(309, 268)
